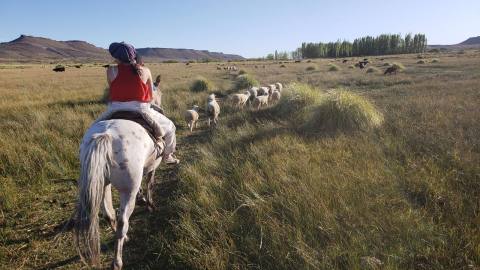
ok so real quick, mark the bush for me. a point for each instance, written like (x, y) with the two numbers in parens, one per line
(421, 62)
(241, 72)
(245, 81)
(312, 68)
(351, 66)
(342, 111)
(386, 64)
(398, 66)
(283, 66)
(333, 67)
(373, 70)
(201, 84)
(435, 60)
(170, 61)
(296, 98)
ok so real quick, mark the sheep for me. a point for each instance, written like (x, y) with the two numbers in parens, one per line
(271, 87)
(260, 100)
(279, 86)
(253, 93)
(239, 100)
(191, 117)
(213, 110)
(275, 97)
(263, 91)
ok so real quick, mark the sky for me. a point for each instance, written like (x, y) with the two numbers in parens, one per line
(251, 28)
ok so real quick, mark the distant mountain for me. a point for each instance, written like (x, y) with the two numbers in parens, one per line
(162, 54)
(470, 43)
(31, 49)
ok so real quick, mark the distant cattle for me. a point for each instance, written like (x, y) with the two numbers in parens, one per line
(59, 69)
(391, 70)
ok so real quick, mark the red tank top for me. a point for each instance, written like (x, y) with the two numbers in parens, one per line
(128, 86)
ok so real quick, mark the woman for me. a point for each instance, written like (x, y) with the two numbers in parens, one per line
(131, 89)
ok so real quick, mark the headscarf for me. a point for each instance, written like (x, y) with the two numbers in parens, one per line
(124, 52)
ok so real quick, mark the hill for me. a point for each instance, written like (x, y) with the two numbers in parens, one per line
(470, 43)
(38, 49)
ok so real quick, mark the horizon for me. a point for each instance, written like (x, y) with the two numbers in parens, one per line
(247, 30)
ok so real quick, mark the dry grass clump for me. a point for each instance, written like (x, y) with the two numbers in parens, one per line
(311, 67)
(351, 67)
(435, 60)
(201, 84)
(296, 99)
(398, 66)
(420, 62)
(333, 67)
(342, 110)
(373, 70)
(242, 71)
(245, 81)
(386, 64)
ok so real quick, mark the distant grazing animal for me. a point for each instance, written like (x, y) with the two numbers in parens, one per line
(298, 61)
(213, 110)
(106, 66)
(253, 93)
(260, 101)
(344, 61)
(59, 69)
(271, 88)
(191, 117)
(219, 68)
(391, 70)
(78, 66)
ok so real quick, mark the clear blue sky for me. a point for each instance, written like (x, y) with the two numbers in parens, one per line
(248, 27)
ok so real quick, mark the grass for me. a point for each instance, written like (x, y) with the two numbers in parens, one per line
(245, 81)
(201, 84)
(260, 191)
(311, 67)
(373, 70)
(333, 67)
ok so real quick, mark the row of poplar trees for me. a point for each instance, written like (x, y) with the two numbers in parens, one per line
(380, 45)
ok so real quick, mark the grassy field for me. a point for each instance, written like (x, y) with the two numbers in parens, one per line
(262, 191)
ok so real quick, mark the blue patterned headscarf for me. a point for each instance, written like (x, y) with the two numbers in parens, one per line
(124, 52)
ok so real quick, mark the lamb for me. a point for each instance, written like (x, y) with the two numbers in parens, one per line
(260, 100)
(191, 117)
(279, 86)
(239, 100)
(275, 97)
(213, 110)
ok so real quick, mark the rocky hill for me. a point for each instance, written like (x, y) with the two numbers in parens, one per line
(38, 49)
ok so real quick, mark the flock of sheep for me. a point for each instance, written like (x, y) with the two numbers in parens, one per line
(256, 97)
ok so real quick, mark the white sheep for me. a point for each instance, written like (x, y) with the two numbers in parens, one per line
(253, 93)
(271, 88)
(259, 101)
(275, 97)
(239, 100)
(213, 110)
(279, 86)
(263, 91)
(191, 117)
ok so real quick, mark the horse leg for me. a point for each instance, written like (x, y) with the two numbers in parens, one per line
(107, 206)
(127, 204)
(150, 182)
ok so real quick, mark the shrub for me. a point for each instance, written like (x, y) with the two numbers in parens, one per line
(201, 84)
(245, 81)
(386, 64)
(351, 66)
(398, 66)
(170, 61)
(373, 70)
(333, 67)
(342, 111)
(435, 60)
(241, 72)
(296, 98)
(421, 62)
(283, 66)
(312, 68)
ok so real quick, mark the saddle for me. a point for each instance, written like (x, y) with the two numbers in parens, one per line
(140, 119)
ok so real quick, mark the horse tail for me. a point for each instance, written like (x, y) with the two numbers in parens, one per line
(95, 161)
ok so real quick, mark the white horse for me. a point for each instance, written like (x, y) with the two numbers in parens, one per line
(119, 153)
